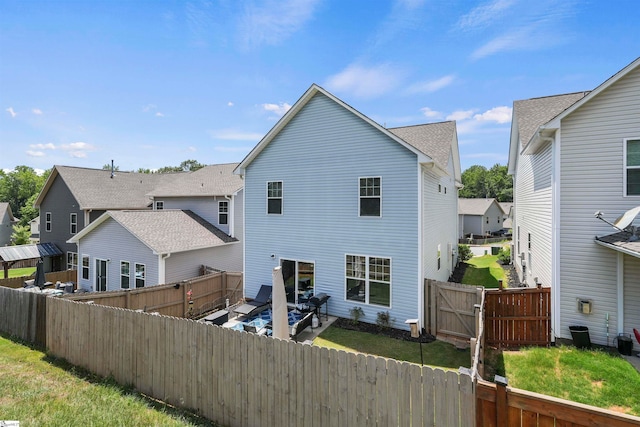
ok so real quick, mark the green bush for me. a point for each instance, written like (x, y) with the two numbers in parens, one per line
(504, 256)
(384, 319)
(464, 253)
(356, 313)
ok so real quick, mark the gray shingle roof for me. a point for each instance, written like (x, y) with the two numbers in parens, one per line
(533, 113)
(213, 180)
(170, 230)
(4, 207)
(95, 189)
(433, 139)
(474, 206)
(620, 241)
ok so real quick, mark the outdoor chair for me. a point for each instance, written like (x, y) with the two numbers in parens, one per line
(259, 303)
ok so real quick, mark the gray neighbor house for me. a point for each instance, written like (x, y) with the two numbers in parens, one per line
(152, 228)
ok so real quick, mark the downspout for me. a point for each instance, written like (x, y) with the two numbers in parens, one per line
(555, 234)
(231, 215)
(161, 268)
(620, 294)
(421, 303)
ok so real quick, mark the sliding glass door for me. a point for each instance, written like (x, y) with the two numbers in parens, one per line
(299, 280)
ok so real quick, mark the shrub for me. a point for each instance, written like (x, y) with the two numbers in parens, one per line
(356, 313)
(384, 319)
(464, 253)
(504, 256)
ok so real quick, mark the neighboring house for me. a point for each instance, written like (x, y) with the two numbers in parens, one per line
(7, 221)
(133, 249)
(573, 155)
(507, 208)
(34, 224)
(480, 217)
(351, 209)
(73, 197)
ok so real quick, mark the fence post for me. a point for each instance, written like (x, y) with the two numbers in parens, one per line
(433, 310)
(502, 406)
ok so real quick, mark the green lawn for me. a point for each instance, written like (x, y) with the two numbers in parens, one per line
(592, 377)
(37, 390)
(19, 272)
(484, 271)
(436, 353)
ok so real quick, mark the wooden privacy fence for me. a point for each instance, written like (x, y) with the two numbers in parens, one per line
(23, 315)
(207, 292)
(53, 277)
(450, 310)
(517, 317)
(240, 379)
(499, 405)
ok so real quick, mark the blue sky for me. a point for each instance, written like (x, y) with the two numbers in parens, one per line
(152, 83)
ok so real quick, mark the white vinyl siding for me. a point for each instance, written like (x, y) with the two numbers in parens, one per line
(322, 220)
(592, 179)
(632, 167)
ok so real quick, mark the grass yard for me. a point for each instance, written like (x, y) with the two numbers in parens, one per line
(19, 272)
(592, 377)
(483, 271)
(436, 353)
(36, 390)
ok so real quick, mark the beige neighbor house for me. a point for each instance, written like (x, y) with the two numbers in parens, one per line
(571, 156)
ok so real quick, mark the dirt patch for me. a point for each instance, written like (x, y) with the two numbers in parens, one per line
(398, 334)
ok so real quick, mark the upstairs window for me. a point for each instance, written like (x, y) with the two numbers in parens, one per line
(141, 275)
(632, 167)
(47, 221)
(274, 197)
(73, 223)
(223, 212)
(159, 205)
(370, 196)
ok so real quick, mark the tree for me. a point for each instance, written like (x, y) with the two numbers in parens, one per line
(17, 186)
(191, 165)
(107, 167)
(21, 234)
(474, 181)
(482, 183)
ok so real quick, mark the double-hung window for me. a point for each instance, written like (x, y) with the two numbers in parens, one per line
(632, 167)
(85, 267)
(368, 280)
(223, 212)
(73, 223)
(141, 276)
(125, 276)
(47, 221)
(72, 260)
(274, 197)
(370, 196)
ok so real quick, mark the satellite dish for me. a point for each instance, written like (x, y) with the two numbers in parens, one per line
(626, 219)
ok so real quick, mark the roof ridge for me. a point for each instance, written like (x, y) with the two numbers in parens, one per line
(423, 124)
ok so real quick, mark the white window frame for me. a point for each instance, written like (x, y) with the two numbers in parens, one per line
(86, 268)
(128, 275)
(73, 262)
(47, 221)
(625, 168)
(280, 197)
(73, 223)
(360, 196)
(223, 209)
(158, 205)
(144, 275)
(367, 279)
(439, 257)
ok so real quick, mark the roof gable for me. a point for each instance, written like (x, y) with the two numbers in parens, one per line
(5, 208)
(476, 206)
(299, 105)
(164, 231)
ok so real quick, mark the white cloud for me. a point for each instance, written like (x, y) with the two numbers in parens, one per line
(32, 153)
(460, 115)
(431, 114)
(432, 85)
(365, 82)
(496, 114)
(484, 15)
(278, 109)
(159, 114)
(192, 149)
(47, 146)
(229, 104)
(273, 21)
(77, 149)
(37, 111)
(149, 107)
(234, 135)
(11, 112)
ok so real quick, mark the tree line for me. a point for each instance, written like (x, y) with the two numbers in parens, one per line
(494, 183)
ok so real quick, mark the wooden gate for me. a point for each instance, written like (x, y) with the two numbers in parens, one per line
(450, 310)
(518, 317)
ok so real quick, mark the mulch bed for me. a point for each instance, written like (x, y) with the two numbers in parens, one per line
(398, 334)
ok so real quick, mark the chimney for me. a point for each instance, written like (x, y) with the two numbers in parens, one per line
(111, 168)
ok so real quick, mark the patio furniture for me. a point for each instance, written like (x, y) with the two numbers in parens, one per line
(219, 318)
(259, 303)
(301, 325)
(253, 330)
